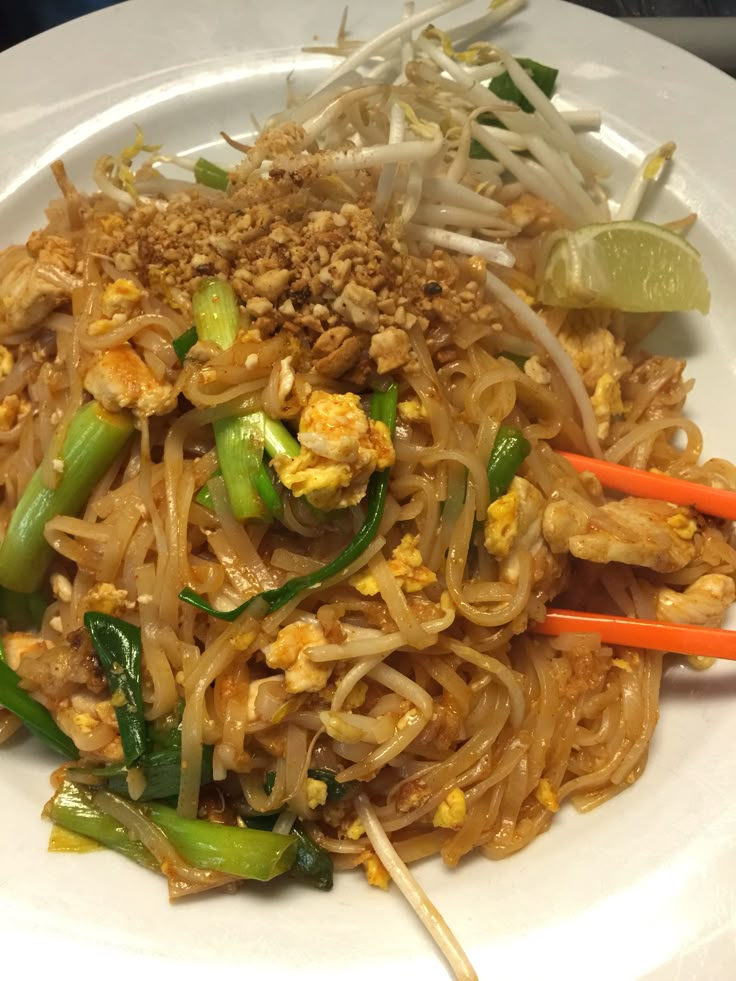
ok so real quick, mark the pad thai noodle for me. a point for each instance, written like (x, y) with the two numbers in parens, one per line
(284, 492)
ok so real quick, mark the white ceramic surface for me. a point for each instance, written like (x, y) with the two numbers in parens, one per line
(643, 887)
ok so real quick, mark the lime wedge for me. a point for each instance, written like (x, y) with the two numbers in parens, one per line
(633, 266)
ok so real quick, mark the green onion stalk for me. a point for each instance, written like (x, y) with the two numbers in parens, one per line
(241, 852)
(510, 449)
(383, 409)
(239, 439)
(94, 440)
(210, 175)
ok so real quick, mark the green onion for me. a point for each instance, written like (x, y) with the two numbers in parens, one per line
(313, 864)
(183, 344)
(239, 439)
(209, 174)
(244, 852)
(502, 86)
(32, 713)
(383, 409)
(543, 77)
(71, 807)
(160, 767)
(22, 611)
(276, 439)
(518, 359)
(510, 449)
(120, 651)
(94, 440)
(335, 790)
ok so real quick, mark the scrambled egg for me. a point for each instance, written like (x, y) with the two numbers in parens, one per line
(120, 379)
(120, 301)
(513, 519)
(6, 362)
(412, 410)
(683, 525)
(546, 795)
(290, 651)
(355, 830)
(406, 567)
(375, 872)
(502, 524)
(12, 409)
(593, 348)
(105, 597)
(452, 811)
(316, 793)
(606, 402)
(340, 449)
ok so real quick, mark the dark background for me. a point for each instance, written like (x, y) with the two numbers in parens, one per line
(21, 20)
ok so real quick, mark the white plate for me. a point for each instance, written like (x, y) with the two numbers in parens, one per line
(643, 887)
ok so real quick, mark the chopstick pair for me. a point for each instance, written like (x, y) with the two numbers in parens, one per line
(650, 634)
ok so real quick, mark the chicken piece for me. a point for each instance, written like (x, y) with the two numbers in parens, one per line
(55, 673)
(406, 567)
(340, 449)
(606, 402)
(290, 652)
(452, 811)
(634, 531)
(120, 379)
(336, 351)
(704, 603)
(32, 286)
(593, 349)
(121, 300)
(390, 349)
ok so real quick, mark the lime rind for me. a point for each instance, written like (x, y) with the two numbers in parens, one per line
(633, 266)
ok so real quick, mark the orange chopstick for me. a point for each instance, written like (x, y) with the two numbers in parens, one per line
(642, 483)
(652, 634)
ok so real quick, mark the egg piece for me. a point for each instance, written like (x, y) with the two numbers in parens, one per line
(452, 811)
(340, 449)
(316, 793)
(406, 567)
(290, 652)
(606, 402)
